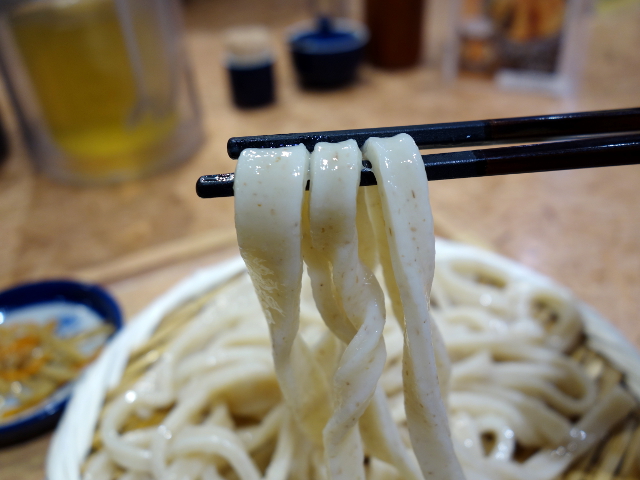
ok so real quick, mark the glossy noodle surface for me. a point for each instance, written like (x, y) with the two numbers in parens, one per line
(380, 362)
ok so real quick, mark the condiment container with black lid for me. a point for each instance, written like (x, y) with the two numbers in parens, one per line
(249, 61)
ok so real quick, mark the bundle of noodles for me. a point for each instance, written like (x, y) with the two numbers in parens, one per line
(492, 382)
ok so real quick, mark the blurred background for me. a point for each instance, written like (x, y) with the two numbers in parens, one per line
(112, 109)
(177, 79)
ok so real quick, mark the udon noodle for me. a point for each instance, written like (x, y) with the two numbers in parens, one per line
(349, 380)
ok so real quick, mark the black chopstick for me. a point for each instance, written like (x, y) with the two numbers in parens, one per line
(574, 154)
(474, 133)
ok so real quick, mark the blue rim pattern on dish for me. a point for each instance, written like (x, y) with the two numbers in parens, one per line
(93, 297)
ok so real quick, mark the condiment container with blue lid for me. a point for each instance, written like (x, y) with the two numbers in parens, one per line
(48, 332)
(327, 53)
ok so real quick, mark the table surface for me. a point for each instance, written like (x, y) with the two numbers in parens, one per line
(580, 227)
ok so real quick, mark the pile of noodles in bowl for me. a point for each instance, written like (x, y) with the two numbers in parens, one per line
(491, 371)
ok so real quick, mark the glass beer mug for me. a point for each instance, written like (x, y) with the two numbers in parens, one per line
(101, 87)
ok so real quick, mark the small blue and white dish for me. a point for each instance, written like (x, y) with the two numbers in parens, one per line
(67, 310)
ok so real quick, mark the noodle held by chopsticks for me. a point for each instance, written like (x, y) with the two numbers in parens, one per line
(352, 305)
(325, 389)
(268, 205)
(404, 194)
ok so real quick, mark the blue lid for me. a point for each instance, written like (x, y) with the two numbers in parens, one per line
(328, 36)
(74, 307)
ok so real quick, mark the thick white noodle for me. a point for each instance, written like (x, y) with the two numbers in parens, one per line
(399, 170)
(334, 180)
(509, 366)
(352, 303)
(229, 413)
(269, 189)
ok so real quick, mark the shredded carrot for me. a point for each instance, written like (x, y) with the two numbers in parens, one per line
(25, 349)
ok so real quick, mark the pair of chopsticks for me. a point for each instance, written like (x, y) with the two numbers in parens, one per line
(599, 139)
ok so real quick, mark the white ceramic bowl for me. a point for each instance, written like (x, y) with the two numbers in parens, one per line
(72, 440)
